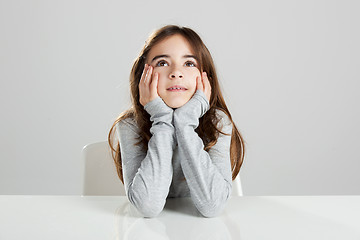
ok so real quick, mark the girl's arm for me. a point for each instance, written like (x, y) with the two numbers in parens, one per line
(208, 174)
(148, 175)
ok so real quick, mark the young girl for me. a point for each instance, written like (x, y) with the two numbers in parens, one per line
(178, 139)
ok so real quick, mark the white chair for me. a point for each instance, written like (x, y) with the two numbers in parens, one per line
(100, 177)
(236, 187)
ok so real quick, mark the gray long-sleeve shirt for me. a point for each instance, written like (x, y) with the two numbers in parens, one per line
(175, 151)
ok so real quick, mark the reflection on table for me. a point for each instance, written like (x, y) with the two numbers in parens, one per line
(110, 217)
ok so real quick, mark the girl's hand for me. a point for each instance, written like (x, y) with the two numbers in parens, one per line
(148, 85)
(203, 84)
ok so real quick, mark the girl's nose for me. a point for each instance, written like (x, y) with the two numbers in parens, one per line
(176, 74)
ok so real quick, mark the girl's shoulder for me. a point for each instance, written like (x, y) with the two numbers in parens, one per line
(128, 123)
(224, 118)
(224, 123)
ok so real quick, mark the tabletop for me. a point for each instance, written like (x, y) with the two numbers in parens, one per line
(113, 217)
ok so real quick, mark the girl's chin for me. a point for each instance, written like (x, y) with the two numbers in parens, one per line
(174, 100)
(175, 105)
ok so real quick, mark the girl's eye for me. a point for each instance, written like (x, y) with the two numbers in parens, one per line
(159, 63)
(190, 62)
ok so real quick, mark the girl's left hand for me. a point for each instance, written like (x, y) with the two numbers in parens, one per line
(203, 84)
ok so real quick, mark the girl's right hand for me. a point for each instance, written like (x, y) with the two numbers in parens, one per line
(148, 85)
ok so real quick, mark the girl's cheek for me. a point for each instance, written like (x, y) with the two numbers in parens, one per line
(161, 82)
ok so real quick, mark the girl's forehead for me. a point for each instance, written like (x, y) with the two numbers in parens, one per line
(175, 44)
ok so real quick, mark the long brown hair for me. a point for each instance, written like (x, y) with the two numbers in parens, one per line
(207, 129)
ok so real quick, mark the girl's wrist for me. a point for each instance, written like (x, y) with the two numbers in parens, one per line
(157, 105)
(190, 112)
(201, 94)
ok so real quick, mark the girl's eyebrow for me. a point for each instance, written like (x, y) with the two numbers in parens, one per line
(167, 56)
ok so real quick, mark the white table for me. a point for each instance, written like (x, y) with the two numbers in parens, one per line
(110, 217)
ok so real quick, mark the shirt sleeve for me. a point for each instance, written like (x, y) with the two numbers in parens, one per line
(148, 174)
(208, 174)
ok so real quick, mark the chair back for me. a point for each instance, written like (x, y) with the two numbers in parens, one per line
(100, 176)
(236, 187)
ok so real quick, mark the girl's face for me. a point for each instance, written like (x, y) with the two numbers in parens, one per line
(174, 61)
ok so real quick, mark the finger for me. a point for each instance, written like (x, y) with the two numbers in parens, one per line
(207, 86)
(199, 84)
(142, 78)
(206, 82)
(141, 93)
(203, 80)
(154, 83)
(148, 75)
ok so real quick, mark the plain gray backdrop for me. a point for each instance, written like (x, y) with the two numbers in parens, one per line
(289, 71)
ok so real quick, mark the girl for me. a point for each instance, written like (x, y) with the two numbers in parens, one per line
(178, 139)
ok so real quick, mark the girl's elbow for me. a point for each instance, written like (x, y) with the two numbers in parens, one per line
(149, 211)
(214, 207)
(146, 207)
(210, 210)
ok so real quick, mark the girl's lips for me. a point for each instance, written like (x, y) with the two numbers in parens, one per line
(177, 90)
(177, 86)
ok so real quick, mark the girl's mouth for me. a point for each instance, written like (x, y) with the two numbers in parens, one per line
(176, 89)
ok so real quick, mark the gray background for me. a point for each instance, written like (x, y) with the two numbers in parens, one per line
(289, 72)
